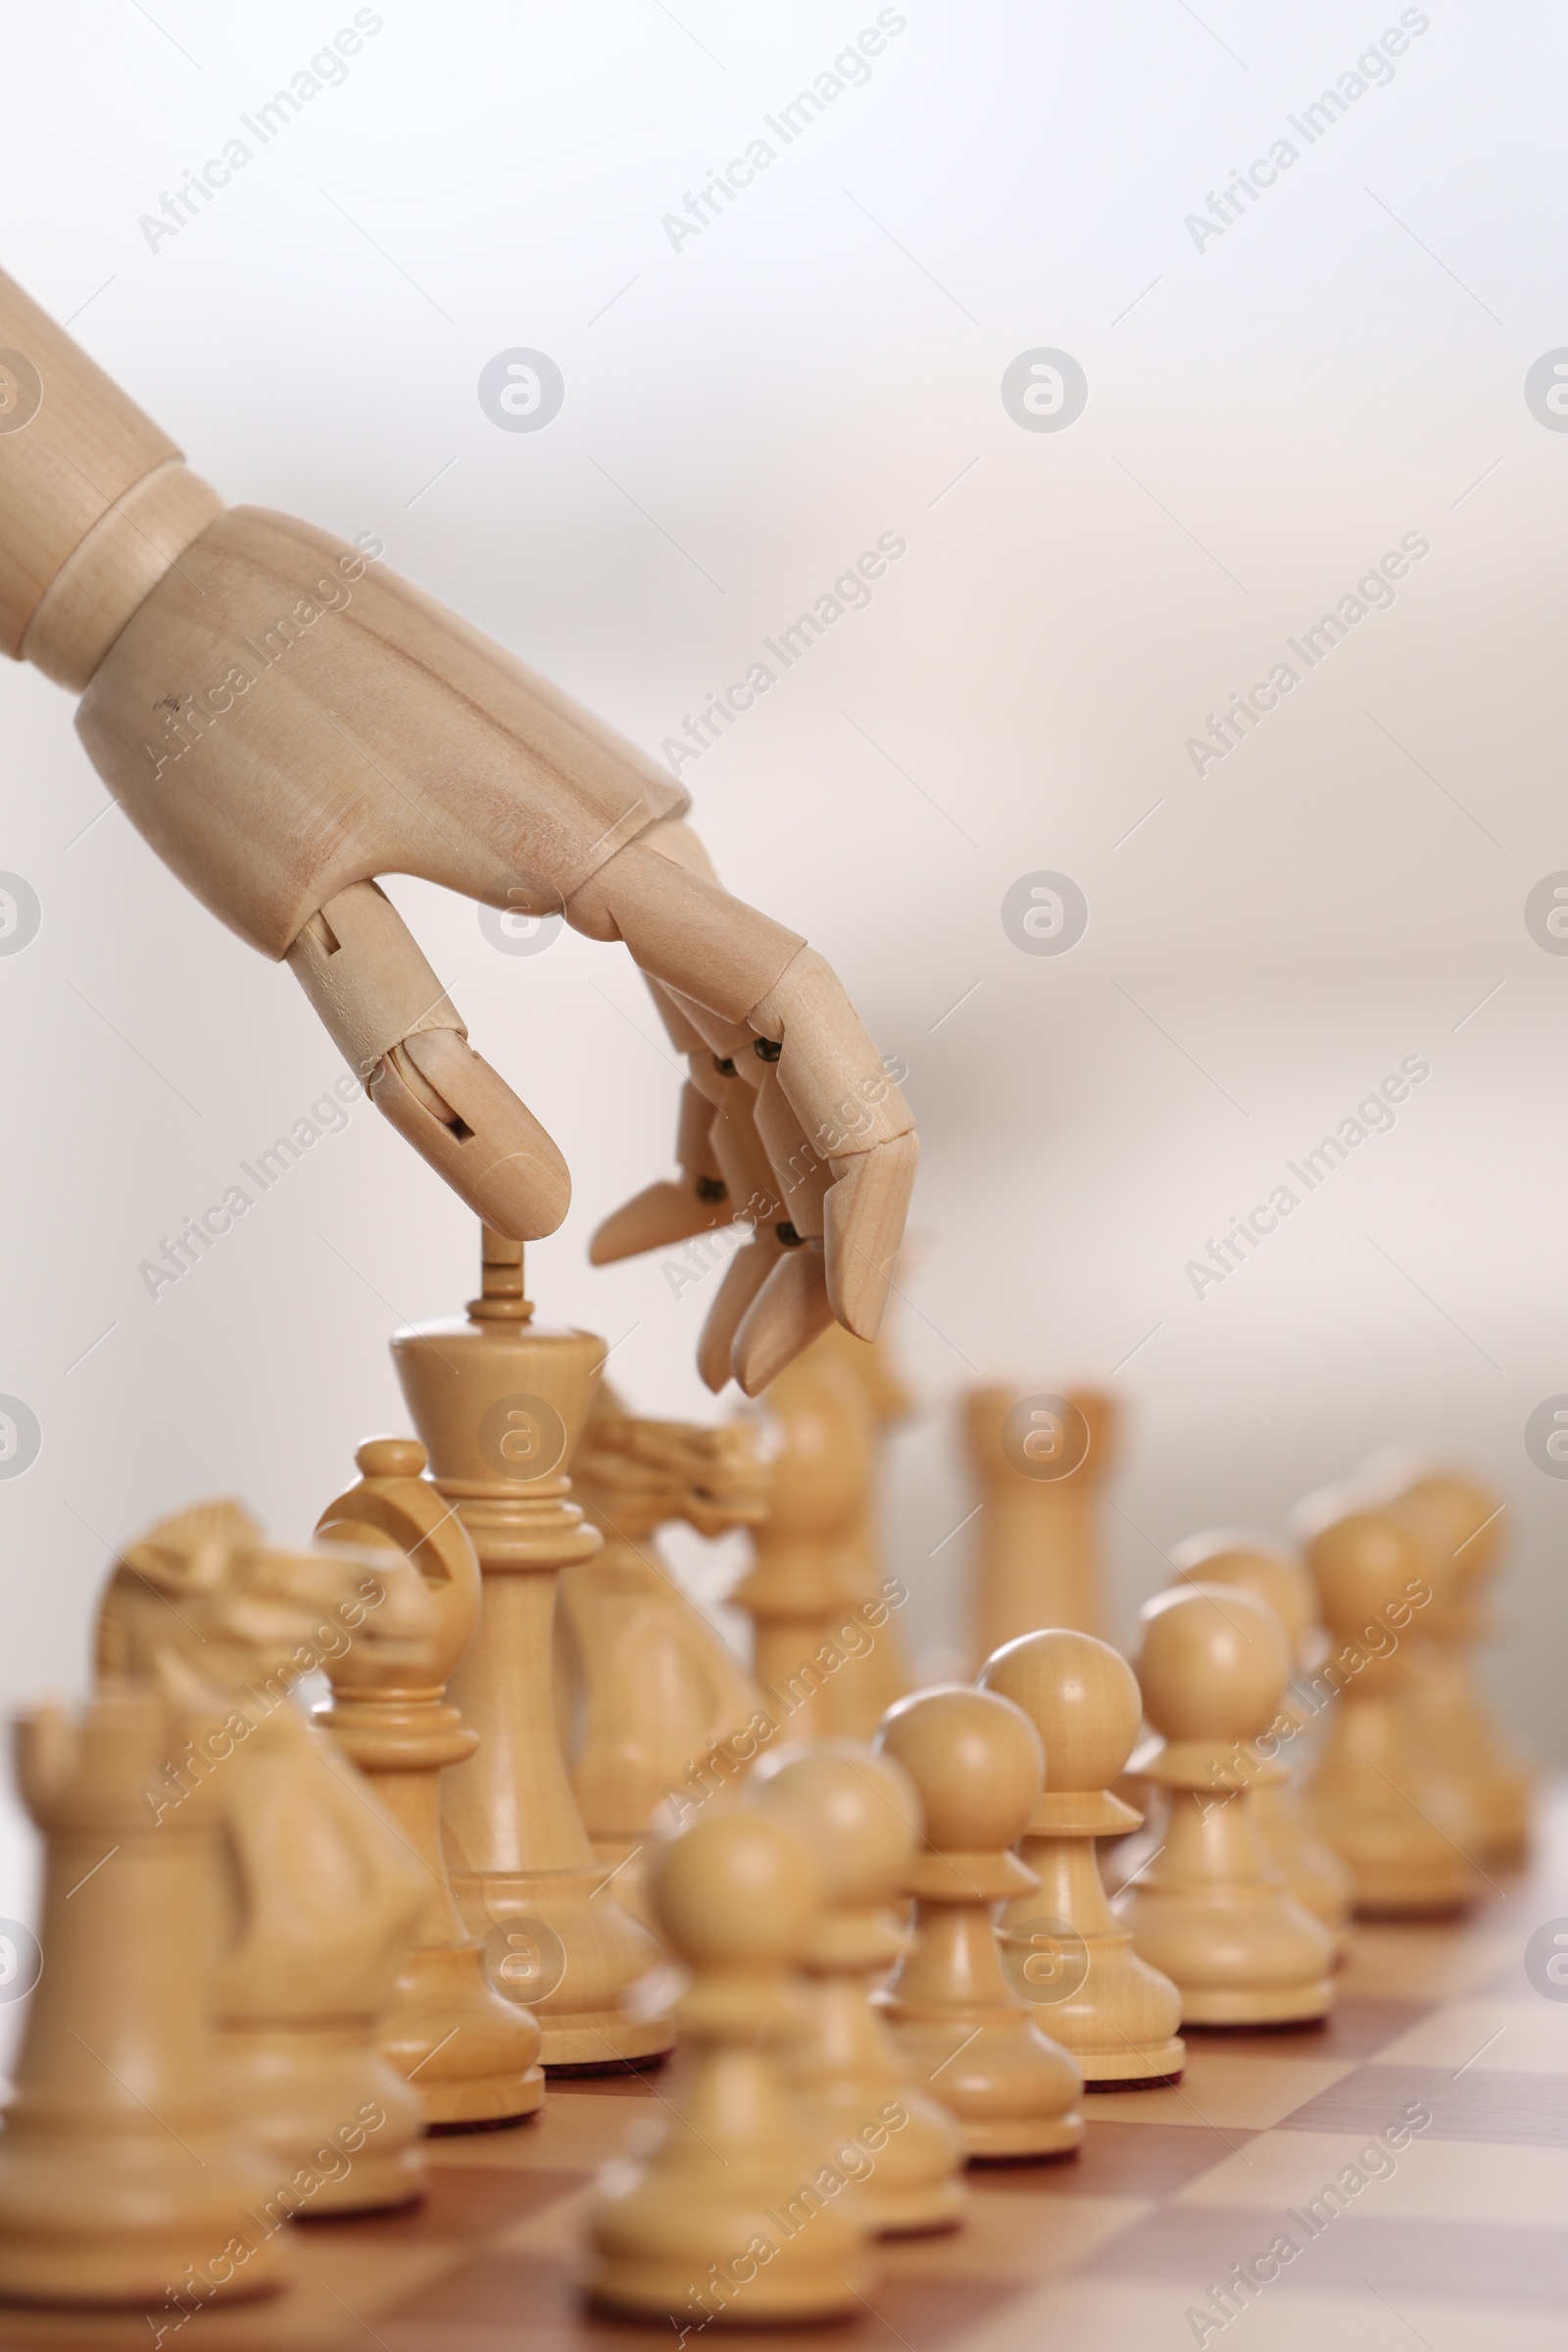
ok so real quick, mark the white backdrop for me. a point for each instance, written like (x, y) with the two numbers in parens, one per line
(1271, 407)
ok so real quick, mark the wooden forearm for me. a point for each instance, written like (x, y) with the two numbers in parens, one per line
(94, 500)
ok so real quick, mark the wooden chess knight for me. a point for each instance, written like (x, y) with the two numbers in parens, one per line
(648, 1693)
(385, 735)
(318, 1893)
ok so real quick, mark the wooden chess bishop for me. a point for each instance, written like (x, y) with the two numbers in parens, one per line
(471, 2053)
(805, 1594)
(283, 718)
(499, 1401)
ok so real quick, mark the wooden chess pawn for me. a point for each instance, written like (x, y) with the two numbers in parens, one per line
(1212, 1911)
(1039, 1551)
(1403, 1827)
(472, 2055)
(1460, 1522)
(858, 1814)
(975, 1760)
(319, 1894)
(731, 2211)
(656, 1705)
(124, 2178)
(1062, 1948)
(500, 1403)
(1316, 1875)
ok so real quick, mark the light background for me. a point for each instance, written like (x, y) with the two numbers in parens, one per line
(744, 416)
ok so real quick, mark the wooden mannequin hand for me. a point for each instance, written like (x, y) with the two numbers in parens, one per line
(284, 719)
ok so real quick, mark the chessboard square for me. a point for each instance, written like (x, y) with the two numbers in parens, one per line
(1020, 2237)
(1357, 2025)
(571, 2133)
(514, 2300)
(1442, 2180)
(1194, 2245)
(466, 2206)
(1519, 2110)
(1224, 2088)
(1424, 1960)
(1139, 2316)
(1529, 2035)
(1117, 2160)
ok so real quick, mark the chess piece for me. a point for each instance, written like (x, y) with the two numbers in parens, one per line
(498, 1401)
(1064, 1951)
(471, 2053)
(799, 1594)
(1461, 1526)
(1273, 1574)
(391, 737)
(860, 1816)
(1040, 1475)
(1212, 1911)
(319, 1894)
(1403, 1827)
(732, 2210)
(869, 1680)
(975, 1760)
(654, 1701)
(124, 2178)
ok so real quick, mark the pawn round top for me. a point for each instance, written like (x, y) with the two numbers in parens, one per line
(858, 1812)
(390, 1457)
(1362, 1562)
(1213, 1663)
(1461, 1520)
(1080, 1694)
(1254, 1563)
(976, 1761)
(735, 1891)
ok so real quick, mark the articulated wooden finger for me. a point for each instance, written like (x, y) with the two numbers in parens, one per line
(866, 1209)
(755, 1192)
(367, 977)
(684, 930)
(492, 1152)
(672, 1212)
(659, 1214)
(832, 1073)
(745, 1275)
(382, 1004)
(802, 1173)
(789, 1311)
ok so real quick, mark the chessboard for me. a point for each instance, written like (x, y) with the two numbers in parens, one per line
(1456, 2242)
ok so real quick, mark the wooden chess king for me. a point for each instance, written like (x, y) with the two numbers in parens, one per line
(499, 1401)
